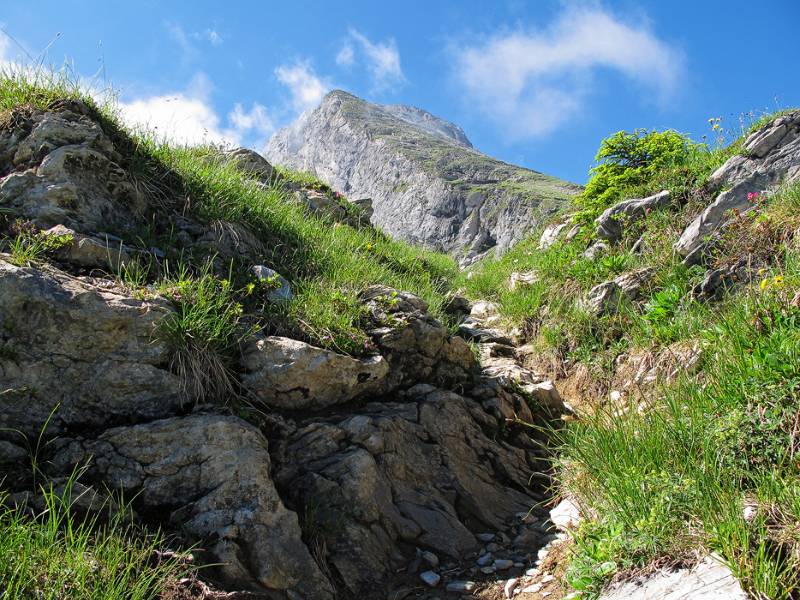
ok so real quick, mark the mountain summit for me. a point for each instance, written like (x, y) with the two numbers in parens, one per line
(428, 184)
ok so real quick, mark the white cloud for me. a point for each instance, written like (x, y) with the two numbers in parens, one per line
(346, 56)
(382, 59)
(536, 80)
(188, 117)
(305, 87)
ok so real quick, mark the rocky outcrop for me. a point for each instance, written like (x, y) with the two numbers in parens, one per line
(426, 183)
(60, 168)
(211, 475)
(605, 298)
(771, 156)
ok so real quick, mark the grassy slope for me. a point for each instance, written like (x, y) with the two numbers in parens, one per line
(677, 477)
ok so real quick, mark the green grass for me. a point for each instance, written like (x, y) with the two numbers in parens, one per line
(57, 554)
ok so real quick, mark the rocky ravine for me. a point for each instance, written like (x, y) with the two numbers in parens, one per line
(427, 183)
(349, 470)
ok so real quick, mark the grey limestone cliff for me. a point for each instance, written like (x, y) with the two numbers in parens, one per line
(427, 183)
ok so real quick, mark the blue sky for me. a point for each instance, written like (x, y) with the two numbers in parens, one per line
(536, 83)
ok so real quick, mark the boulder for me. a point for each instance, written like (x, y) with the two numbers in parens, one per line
(520, 280)
(290, 374)
(252, 163)
(611, 223)
(597, 249)
(210, 475)
(89, 352)
(771, 156)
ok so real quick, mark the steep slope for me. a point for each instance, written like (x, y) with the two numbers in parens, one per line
(428, 185)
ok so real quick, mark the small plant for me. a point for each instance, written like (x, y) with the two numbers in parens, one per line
(29, 246)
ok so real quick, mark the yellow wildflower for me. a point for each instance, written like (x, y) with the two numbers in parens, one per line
(250, 288)
(777, 281)
(764, 283)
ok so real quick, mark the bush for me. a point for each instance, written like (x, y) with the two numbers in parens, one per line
(631, 164)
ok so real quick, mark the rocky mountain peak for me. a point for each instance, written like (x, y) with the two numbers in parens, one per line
(429, 186)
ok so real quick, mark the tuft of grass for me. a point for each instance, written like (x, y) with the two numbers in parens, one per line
(28, 247)
(204, 332)
(58, 554)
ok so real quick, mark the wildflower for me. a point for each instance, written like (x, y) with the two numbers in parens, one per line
(764, 283)
(762, 270)
(250, 288)
(749, 195)
(370, 247)
(711, 119)
(225, 284)
(777, 281)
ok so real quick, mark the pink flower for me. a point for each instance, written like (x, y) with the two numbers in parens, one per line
(749, 195)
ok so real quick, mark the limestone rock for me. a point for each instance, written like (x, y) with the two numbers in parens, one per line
(421, 471)
(520, 280)
(65, 172)
(611, 223)
(708, 580)
(290, 374)
(565, 515)
(89, 350)
(211, 475)
(428, 186)
(252, 163)
(91, 251)
(551, 234)
(771, 156)
(597, 249)
(603, 299)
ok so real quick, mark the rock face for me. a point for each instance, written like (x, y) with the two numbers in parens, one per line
(217, 487)
(79, 346)
(427, 184)
(771, 156)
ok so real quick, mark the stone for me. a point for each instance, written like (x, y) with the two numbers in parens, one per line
(11, 454)
(485, 537)
(566, 515)
(488, 570)
(251, 162)
(214, 474)
(632, 282)
(547, 395)
(279, 290)
(430, 558)
(430, 578)
(458, 204)
(460, 586)
(771, 156)
(484, 559)
(457, 306)
(708, 580)
(551, 234)
(502, 564)
(287, 373)
(596, 250)
(89, 350)
(603, 299)
(510, 586)
(548, 578)
(520, 280)
(90, 251)
(528, 539)
(531, 589)
(611, 223)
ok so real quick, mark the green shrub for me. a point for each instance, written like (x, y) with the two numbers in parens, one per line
(634, 164)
